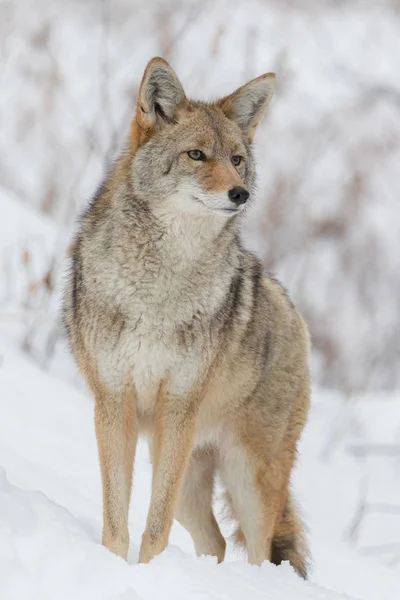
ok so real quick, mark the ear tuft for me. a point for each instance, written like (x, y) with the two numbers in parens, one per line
(160, 94)
(247, 104)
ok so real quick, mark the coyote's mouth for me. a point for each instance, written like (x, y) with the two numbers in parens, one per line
(218, 211)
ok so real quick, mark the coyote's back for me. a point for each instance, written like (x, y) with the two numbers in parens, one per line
(180, 335)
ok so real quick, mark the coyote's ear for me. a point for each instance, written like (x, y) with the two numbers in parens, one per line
(247, 104)
(160, 94)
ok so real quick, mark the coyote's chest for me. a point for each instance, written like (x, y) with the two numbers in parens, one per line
(166, 340)
(168, 334)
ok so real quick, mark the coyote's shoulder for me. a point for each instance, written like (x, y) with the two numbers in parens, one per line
(180, 333)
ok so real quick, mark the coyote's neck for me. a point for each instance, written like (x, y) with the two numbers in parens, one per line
(171, 241)
(192, 238)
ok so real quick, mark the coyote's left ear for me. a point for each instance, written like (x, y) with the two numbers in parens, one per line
(247, 104)
(160, 94)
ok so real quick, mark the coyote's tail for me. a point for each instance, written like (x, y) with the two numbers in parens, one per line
(288, 542)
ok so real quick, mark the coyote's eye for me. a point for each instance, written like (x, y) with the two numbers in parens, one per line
(196, 155)
(236, 160)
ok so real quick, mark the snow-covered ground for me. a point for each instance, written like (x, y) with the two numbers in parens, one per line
(50, 508)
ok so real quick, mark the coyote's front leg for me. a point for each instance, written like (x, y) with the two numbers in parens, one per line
(172, 445)
(116, 432)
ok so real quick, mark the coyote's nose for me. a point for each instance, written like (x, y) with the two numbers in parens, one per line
(238, 195)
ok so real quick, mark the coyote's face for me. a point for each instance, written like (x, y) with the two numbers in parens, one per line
(190, 156)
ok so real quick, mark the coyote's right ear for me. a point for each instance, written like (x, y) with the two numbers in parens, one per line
(160, 94)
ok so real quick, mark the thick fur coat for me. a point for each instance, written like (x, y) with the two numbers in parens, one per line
(181, 335)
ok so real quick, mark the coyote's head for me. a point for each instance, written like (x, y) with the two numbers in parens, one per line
(194, 156)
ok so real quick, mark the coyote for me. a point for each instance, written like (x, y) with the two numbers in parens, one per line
(181, 336)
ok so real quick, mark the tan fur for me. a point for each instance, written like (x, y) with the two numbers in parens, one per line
(195, 506)
(215, 177)
(116, 432)
(181, 337)
(230, 103)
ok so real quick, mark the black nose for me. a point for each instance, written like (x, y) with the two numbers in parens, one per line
(238, 195)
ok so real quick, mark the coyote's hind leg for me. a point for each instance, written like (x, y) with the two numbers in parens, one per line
(195, 510)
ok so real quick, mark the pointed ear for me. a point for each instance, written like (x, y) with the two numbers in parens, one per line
(160, 94)
(247, 105)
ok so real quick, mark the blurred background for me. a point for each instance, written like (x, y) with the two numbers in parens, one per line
(326, 217)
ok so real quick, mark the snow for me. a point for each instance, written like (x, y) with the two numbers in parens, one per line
(50, 510)
(46, 553)
(32, 247)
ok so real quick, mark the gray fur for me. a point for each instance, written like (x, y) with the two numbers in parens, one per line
(164, 296)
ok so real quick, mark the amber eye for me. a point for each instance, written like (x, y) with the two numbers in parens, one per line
(236, 160)
(196, 155)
